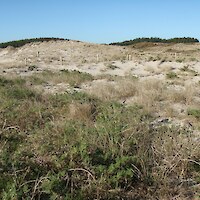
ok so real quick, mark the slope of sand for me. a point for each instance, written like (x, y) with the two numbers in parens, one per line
(101, 59)
(147, 63)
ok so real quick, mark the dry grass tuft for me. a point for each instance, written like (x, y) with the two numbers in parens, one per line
(81, 111)
(183, 94)
(149, 94)
(174, 155)
(115, 90)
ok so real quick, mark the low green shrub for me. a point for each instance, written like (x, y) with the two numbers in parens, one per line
(194, 113)
(171, 75)
(113, 67)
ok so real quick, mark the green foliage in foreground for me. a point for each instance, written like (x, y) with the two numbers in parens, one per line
(157, 40)
(49, 152)
(19, 43)
(194, 112)
(171, 75)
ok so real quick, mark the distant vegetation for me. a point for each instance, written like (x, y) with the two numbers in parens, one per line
(19, 43)
(156, 40)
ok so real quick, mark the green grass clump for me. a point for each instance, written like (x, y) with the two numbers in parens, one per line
(171, 75)
(194, 112)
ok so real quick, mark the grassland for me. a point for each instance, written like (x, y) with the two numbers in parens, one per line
(91, 145)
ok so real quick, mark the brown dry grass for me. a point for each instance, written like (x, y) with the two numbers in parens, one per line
(114, 90)
(174, 155)
(81, 111)
(185, 95)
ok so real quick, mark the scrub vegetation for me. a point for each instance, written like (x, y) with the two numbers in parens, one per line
(78, 145)
(157, 40)
(19, 43)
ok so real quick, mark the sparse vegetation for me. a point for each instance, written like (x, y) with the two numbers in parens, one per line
(179, 60)
(187, 69)
(73, 78)
(193, 59)
(118, 88)
(32, 68)
(112, 66)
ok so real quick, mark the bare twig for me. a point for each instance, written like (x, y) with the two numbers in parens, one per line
(8, 128)
(37, 182)
(85, 170)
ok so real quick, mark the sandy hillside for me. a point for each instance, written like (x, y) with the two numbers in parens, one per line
(140, 60)
(171, 70)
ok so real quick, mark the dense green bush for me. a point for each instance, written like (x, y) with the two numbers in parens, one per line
(171, 75)
(157, 40)
(19, 43)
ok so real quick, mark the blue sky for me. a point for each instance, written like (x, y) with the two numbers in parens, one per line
(99, 21)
